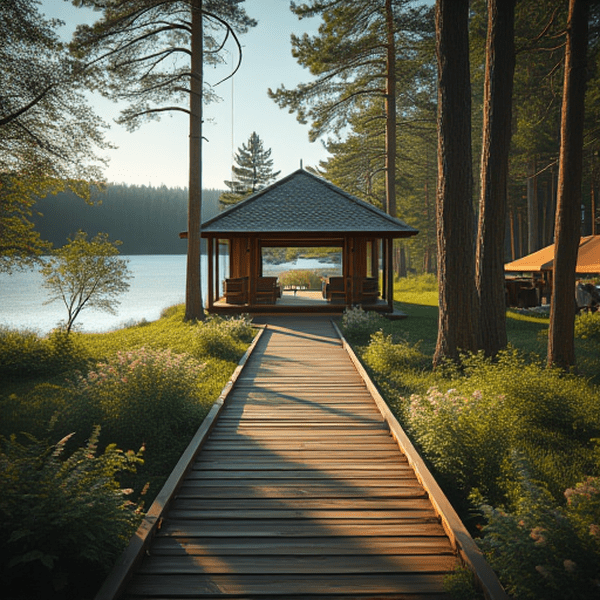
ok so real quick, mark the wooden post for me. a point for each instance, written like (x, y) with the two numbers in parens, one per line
(384, 270)
(390, 277)
(210, 259)
(217, 274)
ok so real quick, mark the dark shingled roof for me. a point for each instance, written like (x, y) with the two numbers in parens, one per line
(305, 203)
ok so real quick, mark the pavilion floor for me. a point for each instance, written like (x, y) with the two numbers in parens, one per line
(298, 301)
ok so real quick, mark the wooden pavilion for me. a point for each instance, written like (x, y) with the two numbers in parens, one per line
(301, 211)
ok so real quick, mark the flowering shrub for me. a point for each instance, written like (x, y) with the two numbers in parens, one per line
(142, 395)
(358, 324)
(57, 511)
(223, 338)
(545, 550)
(464, 436)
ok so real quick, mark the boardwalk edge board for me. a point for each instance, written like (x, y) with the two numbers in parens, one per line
(460, 538)
(119, 576)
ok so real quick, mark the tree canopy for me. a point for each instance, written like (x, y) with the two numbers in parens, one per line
(47, 128)
(50, 139)
(86, 274)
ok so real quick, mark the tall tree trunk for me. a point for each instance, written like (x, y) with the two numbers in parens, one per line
(193, 288)
(390, 103)
(561, 346)
(533, 221)
(497, 111)
(458, 319)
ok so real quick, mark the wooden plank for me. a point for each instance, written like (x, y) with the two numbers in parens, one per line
(291, 489)
(268, 528)
(210, 586)
(409, 502)
(308, 565)
(330, 546)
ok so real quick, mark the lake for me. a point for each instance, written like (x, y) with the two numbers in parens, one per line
(158, 282)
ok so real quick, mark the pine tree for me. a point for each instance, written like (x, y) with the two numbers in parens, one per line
(253, 172)
(458, 315)
(355, 58)
(152, 52)
(561, 343)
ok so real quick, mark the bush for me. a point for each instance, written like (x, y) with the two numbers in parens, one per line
(301, 277)
(385, 356)
(141, 396)
(466, 437)
(57, 512)
(587, 326)
(25, 354)
(554, 415)
(35, 411)
(223, 338)
(358, 324)
(544, 550)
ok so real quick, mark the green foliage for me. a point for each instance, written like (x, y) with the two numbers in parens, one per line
(464, 436)
(117, 209)
(498, 407)
(587, 326)
(306, 278)
(385, 356)
(60, 511)
(358, 324)
(253, 172)
(86, 274)
(543, 550)
(141, 397)
(46, 125)
(25, 354)
(460, 585)
(223, 338)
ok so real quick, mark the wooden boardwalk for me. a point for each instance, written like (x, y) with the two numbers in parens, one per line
(299, 491)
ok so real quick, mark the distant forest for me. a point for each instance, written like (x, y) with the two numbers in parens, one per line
(146, 219)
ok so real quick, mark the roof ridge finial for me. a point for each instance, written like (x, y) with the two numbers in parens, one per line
(301, 166)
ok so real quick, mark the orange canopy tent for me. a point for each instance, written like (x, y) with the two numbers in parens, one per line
(588, 258)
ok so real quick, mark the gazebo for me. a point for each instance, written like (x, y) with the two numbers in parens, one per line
(302, 211)
(540, 265)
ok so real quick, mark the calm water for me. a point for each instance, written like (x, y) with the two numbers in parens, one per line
(158, 282)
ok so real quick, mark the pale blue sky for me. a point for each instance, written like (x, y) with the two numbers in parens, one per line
(157, 153)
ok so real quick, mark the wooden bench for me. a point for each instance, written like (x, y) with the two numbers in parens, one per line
(267, 290)
(335, 290)
(236, 290)
(370, 290)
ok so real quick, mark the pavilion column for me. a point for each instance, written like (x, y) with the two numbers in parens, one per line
(384, 270)
(390, 272)
(210, 260)
(217, 274)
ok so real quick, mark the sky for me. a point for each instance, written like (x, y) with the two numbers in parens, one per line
(157, 152)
